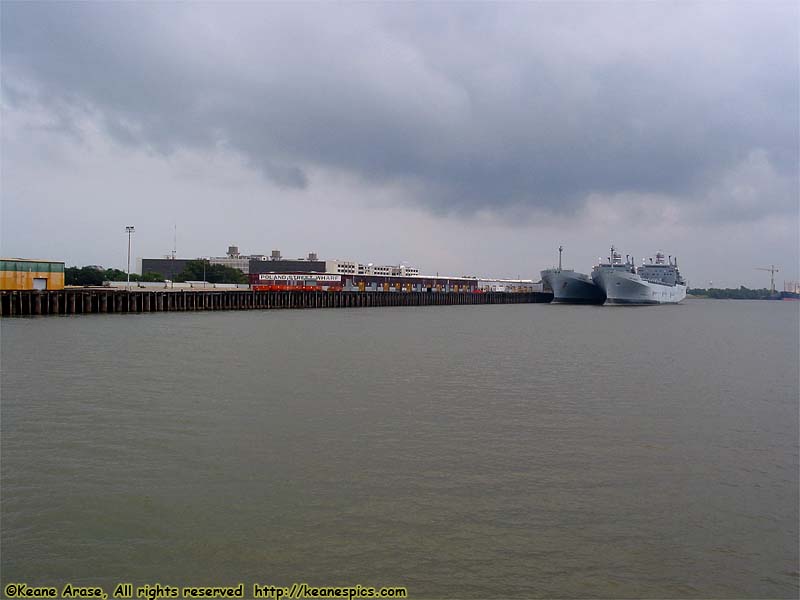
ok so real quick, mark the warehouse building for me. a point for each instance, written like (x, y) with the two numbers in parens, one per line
(31, 274)
(167, 267)
(308, 281)
(509, 285)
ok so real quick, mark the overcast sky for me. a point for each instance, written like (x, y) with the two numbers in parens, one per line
(463, 138)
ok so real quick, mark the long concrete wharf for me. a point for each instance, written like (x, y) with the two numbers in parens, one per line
(75, 301)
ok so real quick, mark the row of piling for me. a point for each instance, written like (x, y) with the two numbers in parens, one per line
(98, 300)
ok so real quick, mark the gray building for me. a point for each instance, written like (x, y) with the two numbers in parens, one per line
(168, 268)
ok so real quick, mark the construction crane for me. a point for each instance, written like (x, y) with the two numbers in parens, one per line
(772, 270)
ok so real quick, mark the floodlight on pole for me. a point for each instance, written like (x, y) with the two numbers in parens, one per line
(130, 229)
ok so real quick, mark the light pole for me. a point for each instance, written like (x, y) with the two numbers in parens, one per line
(130, 229)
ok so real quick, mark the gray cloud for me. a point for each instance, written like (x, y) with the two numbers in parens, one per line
(470, 107)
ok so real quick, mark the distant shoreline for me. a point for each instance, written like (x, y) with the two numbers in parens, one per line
(739, 294)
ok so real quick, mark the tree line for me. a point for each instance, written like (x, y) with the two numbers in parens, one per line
(195, 270)
(741, 293)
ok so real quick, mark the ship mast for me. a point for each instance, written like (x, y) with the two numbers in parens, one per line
(560, 250)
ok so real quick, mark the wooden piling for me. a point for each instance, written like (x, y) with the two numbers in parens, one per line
(73, 301)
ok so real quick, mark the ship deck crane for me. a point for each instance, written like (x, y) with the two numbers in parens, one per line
(772, 270)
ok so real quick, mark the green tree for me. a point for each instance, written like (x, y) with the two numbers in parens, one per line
(95, 277)
(117, 275)
(202, 270)
(741, 293)
(150, 276)
(83, 276)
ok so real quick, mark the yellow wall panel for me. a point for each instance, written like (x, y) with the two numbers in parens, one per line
(23, 280)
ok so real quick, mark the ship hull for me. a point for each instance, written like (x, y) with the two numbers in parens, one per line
(574, 288)
(623, 287)
(547, 280)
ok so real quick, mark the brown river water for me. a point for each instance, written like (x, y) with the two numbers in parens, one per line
(509, 451)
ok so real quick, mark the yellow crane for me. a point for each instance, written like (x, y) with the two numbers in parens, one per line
(772, 270)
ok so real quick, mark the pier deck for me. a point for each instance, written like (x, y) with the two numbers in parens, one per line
(73, 301)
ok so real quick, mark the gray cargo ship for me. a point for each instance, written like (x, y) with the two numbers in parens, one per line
(656, 282)
(570, 287)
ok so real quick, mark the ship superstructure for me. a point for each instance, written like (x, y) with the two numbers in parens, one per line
(655, 282)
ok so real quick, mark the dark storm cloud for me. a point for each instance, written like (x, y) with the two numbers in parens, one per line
(469, 106)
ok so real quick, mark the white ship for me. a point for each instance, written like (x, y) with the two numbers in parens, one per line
(655, 282)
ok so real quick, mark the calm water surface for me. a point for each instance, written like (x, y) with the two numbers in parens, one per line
(477, 451)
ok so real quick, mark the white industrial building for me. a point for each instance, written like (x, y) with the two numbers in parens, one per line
(349, 267)
(342, 267)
